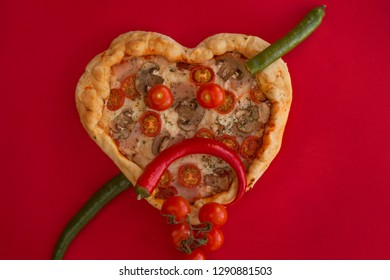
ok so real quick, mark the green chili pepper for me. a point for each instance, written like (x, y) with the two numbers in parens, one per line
(98, 200)
(285, 44)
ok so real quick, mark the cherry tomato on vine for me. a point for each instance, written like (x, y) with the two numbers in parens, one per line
(159, 98)
(210, 96)
(215, 239)
(178, 233)
(214, 213)
(196, 254)
(176, 206)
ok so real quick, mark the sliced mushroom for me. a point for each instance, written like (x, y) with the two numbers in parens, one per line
(230, 66)
(160, 142)
(248, 119)
(218, 181)
(190, 114)
(146, 78)
(121, 125)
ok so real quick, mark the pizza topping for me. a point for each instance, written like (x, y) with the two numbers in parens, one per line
(248, 119)
(165, 179)
(230, 141)
(202, 74)
(150, 123)
(205, 133)
(159, 98)
(160, 142)
(190, 115)
(210, 96)
(149, 179)
(228, 104)
(250, 146)
(165, 193)
(116, 99)
(128, 87)
(265, 112)
(231, 67)
(146, 78)
(218, 181)
(189, 175)
(257, 95)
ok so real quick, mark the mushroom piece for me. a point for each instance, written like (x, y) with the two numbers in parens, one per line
(160, 142)
(145, 78)
(248, 119)
(230, 66)
(190, 114)
(121, 125)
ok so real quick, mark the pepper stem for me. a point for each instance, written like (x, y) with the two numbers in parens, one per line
(141, 191)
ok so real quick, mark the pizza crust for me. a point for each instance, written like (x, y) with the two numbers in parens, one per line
(94, 87)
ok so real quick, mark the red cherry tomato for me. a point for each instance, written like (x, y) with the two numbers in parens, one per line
(189, 175)
(228, 104)
(159, 98)
(202, 75)
(150, 123)
(250, 146)
(257, 95)
(210, 96)
(215, 239)
(115, 100)
(205, 133)
(178, 233)
(165, 179)
(176, 206)
(214, 213)
(196, 254)
(128, 87)
(230, 141)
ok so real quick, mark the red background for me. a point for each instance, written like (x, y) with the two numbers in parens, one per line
(326, 195)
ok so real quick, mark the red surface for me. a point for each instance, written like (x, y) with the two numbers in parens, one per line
(326, 196)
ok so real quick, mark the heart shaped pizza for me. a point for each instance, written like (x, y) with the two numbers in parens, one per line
(147, 93)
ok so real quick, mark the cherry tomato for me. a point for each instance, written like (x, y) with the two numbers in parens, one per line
(178, 233)
(159, 98)
(205, 133)
(210, 96)
(189, 175)
(230, 141)
(228, 104)
(165, 179)
(150, 123)
(176, 206)
(196, 254)
(202, 75)
(215, 239)
(128, 87)
(250, 146)
(257, 95)
(115, 100)
(214, 213)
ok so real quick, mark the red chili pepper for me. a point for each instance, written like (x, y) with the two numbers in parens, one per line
(149, 179)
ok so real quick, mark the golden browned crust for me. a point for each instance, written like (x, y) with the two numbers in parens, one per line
(93, 88)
